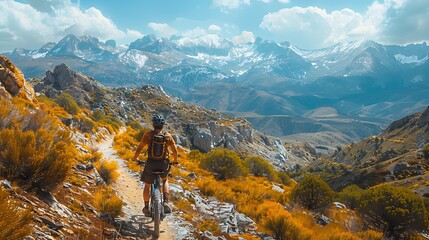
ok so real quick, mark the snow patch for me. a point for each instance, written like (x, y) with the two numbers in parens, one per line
(410, 59)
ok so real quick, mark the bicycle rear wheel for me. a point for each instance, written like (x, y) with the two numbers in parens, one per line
(156, 211)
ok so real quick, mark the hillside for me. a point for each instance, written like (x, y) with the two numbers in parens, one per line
(397, 156)
(66, 169)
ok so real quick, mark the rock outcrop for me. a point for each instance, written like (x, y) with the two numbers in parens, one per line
(12, 81)
(63, 79)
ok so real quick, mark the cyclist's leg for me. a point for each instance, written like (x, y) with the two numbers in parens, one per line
(147, 178)
(166, 189)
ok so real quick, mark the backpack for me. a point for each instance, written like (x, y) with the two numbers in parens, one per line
(158, 147)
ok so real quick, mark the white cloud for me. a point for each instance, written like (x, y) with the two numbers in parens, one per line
(265, 1)
(403, 21)
(245, 37)
(284, 1)
(33, 24)
(162, 29)
(391, 21)
(214, 28)
(194, 33)
(229, 4)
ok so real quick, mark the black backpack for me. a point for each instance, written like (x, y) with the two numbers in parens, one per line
(158, 147)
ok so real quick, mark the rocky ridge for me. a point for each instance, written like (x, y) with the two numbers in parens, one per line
(192, 126)
(12, 81)
(398, 154)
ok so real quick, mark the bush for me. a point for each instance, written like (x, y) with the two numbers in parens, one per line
(397, 206)
(282, 227)
(343, 236)
(106, 201)
(223, 163)
(370, 235)
(312, 192)
(66, 101)
(108, 170)
(350, 196)
(39, 159)
(284, 178)
(260, 167)
(15, 221)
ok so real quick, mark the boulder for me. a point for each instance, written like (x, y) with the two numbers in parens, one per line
(203, 140)
(12, 80)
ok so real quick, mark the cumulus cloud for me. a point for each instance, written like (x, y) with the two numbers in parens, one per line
(214, 28)
(245, 37)
(284, 1)
(391, 21)
(404, 21)
(162, 29)
(229, 4)
(194, 33)
(32, 24)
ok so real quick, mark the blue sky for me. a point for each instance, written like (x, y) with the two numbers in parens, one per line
(307, 24)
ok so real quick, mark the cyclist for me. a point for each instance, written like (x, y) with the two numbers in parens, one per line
(158, 144)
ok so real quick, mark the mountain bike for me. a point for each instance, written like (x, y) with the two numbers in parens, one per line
(156, 204)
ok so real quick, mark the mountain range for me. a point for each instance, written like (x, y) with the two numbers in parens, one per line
(352, 89)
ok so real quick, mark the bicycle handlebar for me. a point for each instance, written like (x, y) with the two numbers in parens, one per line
(142, 163)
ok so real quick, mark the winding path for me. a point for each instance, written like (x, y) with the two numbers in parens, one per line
(133, 223)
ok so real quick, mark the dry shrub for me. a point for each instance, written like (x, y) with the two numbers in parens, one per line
(106, 201)
(284, 227)
(343, 236)
(108, 170)
(15, 221)
(40, 159)
(370, 235)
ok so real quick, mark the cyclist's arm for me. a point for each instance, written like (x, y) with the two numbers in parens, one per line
(173, 148)
(142, 144)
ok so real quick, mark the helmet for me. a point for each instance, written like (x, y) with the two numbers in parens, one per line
(158, 120)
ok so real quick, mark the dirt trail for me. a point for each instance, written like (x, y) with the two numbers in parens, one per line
(133, 224)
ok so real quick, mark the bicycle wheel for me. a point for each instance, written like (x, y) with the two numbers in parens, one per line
(156, 211)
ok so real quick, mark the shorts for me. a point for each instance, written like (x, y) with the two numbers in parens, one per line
(154, 166)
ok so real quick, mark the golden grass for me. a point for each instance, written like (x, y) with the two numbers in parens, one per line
(108, 170)
(106, 201)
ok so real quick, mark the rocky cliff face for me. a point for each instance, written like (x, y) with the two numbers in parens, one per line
(63, 79)
(12, 81)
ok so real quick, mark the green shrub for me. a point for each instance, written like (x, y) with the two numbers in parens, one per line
(351, 196)
(15, 221)
(223, 163)
(260, 167)
(397, 206)
(66, 101)
(312, 192)
(284, 178)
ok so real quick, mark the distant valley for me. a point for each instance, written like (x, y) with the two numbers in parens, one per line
(344, 93)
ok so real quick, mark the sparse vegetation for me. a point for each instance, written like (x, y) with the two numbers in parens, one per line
(108, 170)
(106, 201)
(15, 221)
